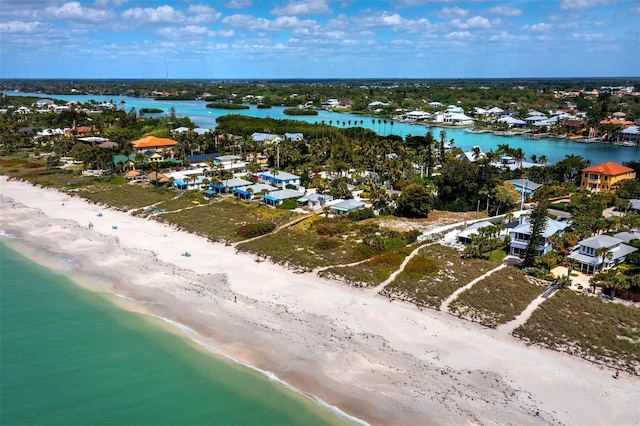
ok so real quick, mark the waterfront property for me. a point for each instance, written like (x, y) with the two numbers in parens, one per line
(279, 178)
(251, 191)
(275, 198)
(524, 186)
(229, 185)
(466, 235)
(521, 234)
(152, 143)
(314, 201)
(600, 253)
(347, 206)
(602, 177)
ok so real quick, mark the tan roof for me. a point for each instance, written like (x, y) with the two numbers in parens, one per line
(153, 141)
(132, 173)
(609, 168)
(159, 177)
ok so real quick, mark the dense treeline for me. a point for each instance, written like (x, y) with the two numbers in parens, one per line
(520, 94)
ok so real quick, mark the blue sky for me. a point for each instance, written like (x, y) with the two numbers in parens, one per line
(230, 39)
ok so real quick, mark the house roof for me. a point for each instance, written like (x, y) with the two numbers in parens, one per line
(153, 141)
(524, 183)
(280, 176)
(599, 241)
(552, 227)
(259, 187)
(348, 205)
(234, 183)
(627, 236)
(284, 194)
(609, 168)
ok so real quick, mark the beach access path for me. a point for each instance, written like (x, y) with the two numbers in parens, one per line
(385, 363)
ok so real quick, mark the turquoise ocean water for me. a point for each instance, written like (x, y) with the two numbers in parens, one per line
(554, 149)
(69, 356)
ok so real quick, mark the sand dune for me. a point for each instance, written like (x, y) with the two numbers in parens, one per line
(386, 363)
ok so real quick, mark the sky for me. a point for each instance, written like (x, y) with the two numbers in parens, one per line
(263, 39)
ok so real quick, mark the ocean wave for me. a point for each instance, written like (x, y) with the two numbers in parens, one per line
(268, 374)
(5, 234)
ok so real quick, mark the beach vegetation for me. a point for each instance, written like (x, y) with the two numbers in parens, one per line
(373, 271)
(251, 230)
(434, 274)
(497, 298)
(299, 111)
(588, 327)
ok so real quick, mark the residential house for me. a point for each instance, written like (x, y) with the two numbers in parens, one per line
(276, 198)
(252, 191)
(417, 116)
(229, 185)
(347, 206)
(465, 236)
(153, 143)
(524, 186)
(521, 234)
(188, 179)
(602, 177)
(472, 156)
(265, 138)
(600, 253)
(279, 178)
(314, 201)
(127, 162)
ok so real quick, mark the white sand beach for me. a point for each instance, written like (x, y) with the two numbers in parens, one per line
(385, 363)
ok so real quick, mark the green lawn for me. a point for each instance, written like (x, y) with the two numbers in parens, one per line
(585, 326)
(434, 274)
(497, 299)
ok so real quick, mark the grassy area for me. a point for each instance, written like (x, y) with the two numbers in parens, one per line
(585, 326)
(125, 196)
(220, 220)
(434, 274)
(303, 249)
(497, 299)
(372, 272)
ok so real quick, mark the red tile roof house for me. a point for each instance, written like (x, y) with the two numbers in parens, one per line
(602, 177)
(152, 143)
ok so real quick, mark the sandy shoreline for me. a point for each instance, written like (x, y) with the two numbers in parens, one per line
(386, 363)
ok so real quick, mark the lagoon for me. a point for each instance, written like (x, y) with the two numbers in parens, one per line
(554, 149)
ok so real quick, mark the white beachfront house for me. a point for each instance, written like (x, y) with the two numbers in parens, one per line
(229, 185)
(229, 162)
(187, 179)
(465, 236)
(279, 178)
(521, 234)
(600, 253)
(250, 192)
(417, 116)
(314, 201)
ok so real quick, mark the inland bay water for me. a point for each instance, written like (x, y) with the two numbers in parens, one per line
(554, 149)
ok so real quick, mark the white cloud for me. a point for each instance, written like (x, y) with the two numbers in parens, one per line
(471, 23)
(251, 23)
(188, 31)
(158, 15)
(305, 7)
(453, 12)
(458, 35)
(203, 14)
(75, 11)
(541, 27)
(590, 37)
(581, 4)
(505, 11)
(238, 4)
(19, 27)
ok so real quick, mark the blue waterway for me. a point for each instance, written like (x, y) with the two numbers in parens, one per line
(71, 357)
(554, 149)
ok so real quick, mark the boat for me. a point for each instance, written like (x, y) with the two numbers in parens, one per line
(504, 133)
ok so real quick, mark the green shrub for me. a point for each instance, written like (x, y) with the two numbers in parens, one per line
(361, 214)
(327, 243)
(251, 230)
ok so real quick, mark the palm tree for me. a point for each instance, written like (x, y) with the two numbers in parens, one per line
(604, 254)
(571, 265)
